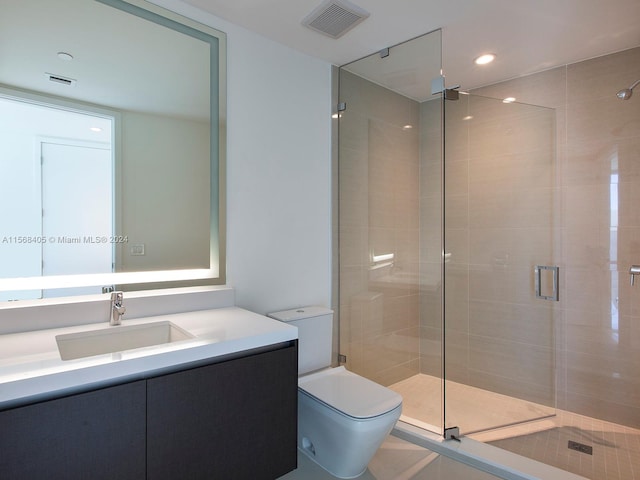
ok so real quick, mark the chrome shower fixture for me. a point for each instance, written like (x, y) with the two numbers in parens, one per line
(625, 93)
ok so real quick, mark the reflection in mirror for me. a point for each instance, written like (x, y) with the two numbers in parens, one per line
(110, 148)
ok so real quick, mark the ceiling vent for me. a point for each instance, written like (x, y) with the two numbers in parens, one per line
(334, 18)
(52, 77)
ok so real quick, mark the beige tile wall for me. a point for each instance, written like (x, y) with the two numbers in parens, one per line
(499, 199)
(379, 214)
(390, 321)
(598, 319)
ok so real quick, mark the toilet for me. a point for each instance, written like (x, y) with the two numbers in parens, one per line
(343, 418)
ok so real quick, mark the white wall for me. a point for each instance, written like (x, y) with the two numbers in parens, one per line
(279, 170)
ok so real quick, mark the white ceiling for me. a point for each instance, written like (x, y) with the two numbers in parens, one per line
(119, 60)
(527, 35)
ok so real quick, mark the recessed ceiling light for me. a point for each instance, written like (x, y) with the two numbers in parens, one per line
(67, 57)
(407, 127)
(95, 129)
(509, 100)
(484, 59)
(468, 117)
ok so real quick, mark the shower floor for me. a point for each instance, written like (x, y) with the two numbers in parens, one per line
(616, 448)
(470, 408)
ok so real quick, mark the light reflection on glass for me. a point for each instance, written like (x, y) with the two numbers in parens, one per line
(613, 246)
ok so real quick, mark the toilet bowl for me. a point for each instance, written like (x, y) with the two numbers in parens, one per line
(343, 418)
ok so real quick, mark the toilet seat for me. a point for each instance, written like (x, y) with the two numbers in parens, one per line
(349, 393)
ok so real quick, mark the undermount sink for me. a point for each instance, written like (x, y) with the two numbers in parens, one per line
(118, 339)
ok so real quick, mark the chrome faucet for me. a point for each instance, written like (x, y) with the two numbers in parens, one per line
(117, 309)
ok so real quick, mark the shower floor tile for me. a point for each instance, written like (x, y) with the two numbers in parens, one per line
(397, 460)
(470, 408)
(616, 448)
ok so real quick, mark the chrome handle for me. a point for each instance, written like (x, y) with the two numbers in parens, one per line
(555, 293)
(633, 271)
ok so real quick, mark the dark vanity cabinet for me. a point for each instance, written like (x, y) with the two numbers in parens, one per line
(94, 435)
(235, 418)
(242, 428)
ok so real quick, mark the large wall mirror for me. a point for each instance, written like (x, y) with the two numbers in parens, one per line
(112, 148)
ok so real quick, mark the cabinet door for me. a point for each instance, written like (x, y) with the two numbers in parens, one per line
(231, 420)
(95, 435)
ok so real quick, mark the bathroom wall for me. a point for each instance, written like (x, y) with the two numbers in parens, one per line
(598, 150)
(379, 191)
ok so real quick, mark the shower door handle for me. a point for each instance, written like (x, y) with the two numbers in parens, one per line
(554, 294)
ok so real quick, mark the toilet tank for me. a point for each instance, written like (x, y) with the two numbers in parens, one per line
(315, 335)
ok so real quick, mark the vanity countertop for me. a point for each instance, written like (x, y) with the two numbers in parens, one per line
(31, 368)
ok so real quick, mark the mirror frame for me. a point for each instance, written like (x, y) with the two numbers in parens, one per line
(145, 280)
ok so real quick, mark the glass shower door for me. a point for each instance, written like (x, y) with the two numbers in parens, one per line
(390, 217)
(499, 203)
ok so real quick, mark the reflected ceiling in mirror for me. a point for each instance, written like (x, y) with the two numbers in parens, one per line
(157, 80)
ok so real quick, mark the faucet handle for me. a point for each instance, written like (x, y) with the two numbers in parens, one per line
(117, 309)
(117, 298)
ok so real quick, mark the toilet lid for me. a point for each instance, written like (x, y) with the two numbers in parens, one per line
(349, 393)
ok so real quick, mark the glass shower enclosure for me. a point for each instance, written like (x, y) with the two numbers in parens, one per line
(446, 242)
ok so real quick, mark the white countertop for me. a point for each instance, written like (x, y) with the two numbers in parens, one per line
(31, 368)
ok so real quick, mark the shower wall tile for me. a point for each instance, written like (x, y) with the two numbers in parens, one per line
(503, 335)
(430, 304)
(456, 299)
(585, 289)
(586, 246)
(514, 387)
(600, 178)
(355, 246)
(628, 213)
(512, 134)
(513, 172)
(504, 359)
(430, 345)
(379, 214)
(386, 352)
(546, 89)
(602, 76)
(627, 297)
(507, 210)
(602, 162)
(560, 340)
(602, 119)
(611, 411)
(487, 208)
(586, 205)
(492, 283)
(590, 375)
(531, 245)
(457, 211)
(512, 322)
(457, 361)
(354, 188)
(430, 179)
(457, 245)
(396, 373)
(456, 177)
(612, 336)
